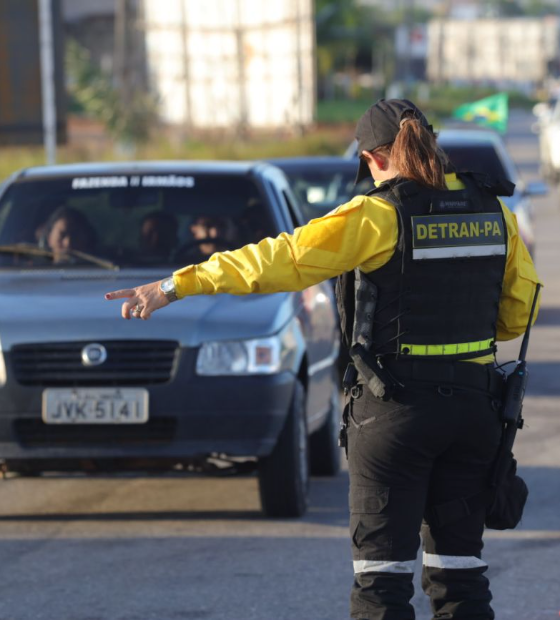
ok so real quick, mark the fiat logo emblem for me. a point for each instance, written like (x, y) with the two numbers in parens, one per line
(94, 354)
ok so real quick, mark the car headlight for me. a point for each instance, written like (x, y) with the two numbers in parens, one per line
(261, 356)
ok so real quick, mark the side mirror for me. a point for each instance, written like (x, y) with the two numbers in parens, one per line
(536, 188)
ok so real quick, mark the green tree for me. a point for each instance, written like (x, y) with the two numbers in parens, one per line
(539, 8)
(349, 32)
(503, 8)
(336, 23)
(92, 92)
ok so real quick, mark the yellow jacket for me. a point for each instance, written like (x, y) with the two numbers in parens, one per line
(361, 233)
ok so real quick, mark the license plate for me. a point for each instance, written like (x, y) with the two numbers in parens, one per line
(95, 406)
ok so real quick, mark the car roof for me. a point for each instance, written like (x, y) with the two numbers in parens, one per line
(326, 159)
(480, 138)
(310, 161)
(468, 136)
(143, 167)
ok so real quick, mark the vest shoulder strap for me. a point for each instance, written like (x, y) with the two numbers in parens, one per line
(395, 190)
(398, 189)
(497, 186)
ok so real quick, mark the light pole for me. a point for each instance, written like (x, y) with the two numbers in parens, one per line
(47, 80)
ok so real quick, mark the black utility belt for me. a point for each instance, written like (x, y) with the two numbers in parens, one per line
(467, 375)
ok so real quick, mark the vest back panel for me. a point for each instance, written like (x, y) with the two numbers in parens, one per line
(438, 296)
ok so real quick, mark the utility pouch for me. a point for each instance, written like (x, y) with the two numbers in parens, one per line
(377, 378)
(345, 301)
(365, 296)
(510, 495)
(504, 503)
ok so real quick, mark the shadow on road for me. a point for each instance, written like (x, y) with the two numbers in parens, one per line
(328, 506)
(142, 515)
(548, 317)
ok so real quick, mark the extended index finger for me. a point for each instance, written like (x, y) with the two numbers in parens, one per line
(122, 294)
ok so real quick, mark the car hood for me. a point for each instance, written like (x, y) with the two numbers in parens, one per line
(63, 306)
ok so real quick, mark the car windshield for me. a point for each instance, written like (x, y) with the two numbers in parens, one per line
(476, 158)
(322, 189)
(120, 221)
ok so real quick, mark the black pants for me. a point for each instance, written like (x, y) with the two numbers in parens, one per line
(421, 448)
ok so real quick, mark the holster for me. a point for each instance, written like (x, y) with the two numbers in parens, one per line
(378, 380)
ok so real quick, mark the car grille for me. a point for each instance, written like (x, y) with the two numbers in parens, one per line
(128, 363)
(33, 432)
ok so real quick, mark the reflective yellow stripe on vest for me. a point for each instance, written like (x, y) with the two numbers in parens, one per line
(447, 349)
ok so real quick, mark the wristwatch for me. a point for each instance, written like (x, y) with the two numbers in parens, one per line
(167, 287)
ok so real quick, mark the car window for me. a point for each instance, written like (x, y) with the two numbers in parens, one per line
(295, 214)
(476, 158)
(321, 190)
(132, 221)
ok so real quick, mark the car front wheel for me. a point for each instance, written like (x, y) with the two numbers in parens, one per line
(284, 474)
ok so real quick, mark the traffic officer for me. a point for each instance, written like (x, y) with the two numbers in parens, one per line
(432, 272)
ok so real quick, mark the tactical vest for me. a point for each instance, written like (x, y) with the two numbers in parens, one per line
(437, 298)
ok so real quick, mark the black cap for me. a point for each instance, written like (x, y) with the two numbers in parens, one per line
(380, 124)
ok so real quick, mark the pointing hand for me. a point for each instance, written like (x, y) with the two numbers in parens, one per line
(141, 301)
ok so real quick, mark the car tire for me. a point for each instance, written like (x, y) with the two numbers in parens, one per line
(323, 444)
(284, 474)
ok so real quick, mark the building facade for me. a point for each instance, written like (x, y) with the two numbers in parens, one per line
(516, 52)
(232, 64)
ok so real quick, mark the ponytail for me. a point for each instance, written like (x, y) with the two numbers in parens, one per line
(417, 156)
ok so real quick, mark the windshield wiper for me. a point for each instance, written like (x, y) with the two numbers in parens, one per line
(33, 250)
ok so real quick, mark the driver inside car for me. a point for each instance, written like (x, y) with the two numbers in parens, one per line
(66, 230)
(212, 234)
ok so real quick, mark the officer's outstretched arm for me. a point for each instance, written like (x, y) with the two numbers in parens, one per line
(360, 232)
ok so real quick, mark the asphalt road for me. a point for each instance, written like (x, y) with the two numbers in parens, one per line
(171, 548)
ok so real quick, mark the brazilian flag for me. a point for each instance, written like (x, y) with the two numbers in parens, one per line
(489, 112)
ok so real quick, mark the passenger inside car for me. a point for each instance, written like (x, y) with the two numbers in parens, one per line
(131, 227)
(67, 229)
(210, 234)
